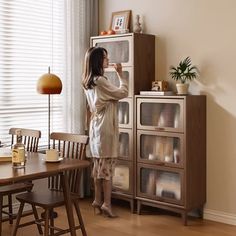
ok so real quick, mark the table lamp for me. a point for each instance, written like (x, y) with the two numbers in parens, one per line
(49, 84)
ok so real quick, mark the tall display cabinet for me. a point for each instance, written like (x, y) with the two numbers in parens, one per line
(136, 53)
(171, 153)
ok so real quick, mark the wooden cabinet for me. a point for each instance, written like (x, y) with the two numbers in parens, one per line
(171, 153)
(136, 53)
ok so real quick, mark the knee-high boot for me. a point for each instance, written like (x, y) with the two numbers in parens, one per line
(106, 207)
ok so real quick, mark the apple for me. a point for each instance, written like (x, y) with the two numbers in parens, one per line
(111, 32)
(103, 32)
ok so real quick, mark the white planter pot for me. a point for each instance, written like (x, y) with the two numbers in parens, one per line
(182, 89)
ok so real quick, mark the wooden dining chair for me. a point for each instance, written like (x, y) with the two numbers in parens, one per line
(30, 138)
(70, 146)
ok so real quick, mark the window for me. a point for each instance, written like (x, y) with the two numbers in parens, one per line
(32, 37)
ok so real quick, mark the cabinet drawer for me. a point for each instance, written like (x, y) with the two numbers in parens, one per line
(160, 114)
(160, 183)
(122, 180)
(125, 144)
(119, 49)
(127, 73)
(160, 147)
(125, 116)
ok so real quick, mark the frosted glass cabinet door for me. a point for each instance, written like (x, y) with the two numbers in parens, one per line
(160, 147)
(122, 179)
(119, 49)
(124, 113)
(160, 184)
(127, 74)
(125, 144)
(160, 114)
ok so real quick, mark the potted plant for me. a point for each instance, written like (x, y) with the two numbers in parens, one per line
(184, 72)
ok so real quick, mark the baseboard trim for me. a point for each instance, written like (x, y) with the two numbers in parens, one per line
(220, 216)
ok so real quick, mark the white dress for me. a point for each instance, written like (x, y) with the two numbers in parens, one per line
(103, 131)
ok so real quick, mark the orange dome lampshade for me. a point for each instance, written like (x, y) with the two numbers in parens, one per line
(49, 84)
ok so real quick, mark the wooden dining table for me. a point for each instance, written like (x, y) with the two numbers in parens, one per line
(37, 168)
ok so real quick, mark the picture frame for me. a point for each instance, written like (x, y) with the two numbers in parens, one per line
(120, 21)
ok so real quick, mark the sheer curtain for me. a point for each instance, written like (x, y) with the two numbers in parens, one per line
(82, 22)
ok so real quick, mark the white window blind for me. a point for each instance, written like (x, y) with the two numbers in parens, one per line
(31, 39)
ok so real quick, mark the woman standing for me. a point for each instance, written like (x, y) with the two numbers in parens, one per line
(102, 97)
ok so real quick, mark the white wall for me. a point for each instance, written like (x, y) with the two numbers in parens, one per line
(205, 30)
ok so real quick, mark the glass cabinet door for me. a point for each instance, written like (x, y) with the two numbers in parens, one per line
(125, 144)
(160, 114)
(124, 113)
(122, 180)
(160, 183)
(119, 49)
(127, 74)
(160, 147)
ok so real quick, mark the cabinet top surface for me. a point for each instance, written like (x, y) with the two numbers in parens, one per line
(168, 96)
(120, 35)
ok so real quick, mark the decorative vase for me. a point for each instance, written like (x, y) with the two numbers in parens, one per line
(182, 89)
(137, 25)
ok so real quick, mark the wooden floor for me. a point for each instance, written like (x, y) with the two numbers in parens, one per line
(151, 223)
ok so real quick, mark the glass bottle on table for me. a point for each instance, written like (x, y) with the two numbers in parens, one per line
(18, 152)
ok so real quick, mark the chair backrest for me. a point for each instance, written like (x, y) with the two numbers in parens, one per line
(30, 138)
(70, 146)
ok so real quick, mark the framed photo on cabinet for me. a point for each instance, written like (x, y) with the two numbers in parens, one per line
(120, 21)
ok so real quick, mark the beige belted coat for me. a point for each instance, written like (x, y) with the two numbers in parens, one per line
(103, 130)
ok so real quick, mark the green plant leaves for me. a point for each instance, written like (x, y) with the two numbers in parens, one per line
(184, 71)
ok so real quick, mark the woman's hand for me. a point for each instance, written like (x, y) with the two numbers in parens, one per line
(118, 68)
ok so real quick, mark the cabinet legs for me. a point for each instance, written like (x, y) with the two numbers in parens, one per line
(200, 212)
(132, 206)
(139, 207)
(184, 218)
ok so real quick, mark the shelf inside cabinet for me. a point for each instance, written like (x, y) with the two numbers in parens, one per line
(125, 144)
(119, 49)
(165, 148)
(123, 177)
(125, 116)
(127, 74)
(160, 114)
(160, 183)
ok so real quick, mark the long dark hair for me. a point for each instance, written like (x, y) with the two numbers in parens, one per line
(93, 66)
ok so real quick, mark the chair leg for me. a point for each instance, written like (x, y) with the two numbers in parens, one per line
(37, 218)
(18, 218)
(10, 209)
(46, 226)
(76, 203)
(1, 201)
(51, 222)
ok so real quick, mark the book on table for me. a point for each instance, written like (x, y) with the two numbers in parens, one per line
(5, 154)
(156, 93)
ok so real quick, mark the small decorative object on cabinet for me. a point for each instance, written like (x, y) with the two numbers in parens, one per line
(171, 153)
(137, 25)
(136, 52)
(183, 72)
(160, 85)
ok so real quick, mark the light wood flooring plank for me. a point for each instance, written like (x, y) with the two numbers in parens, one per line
(149, 224)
